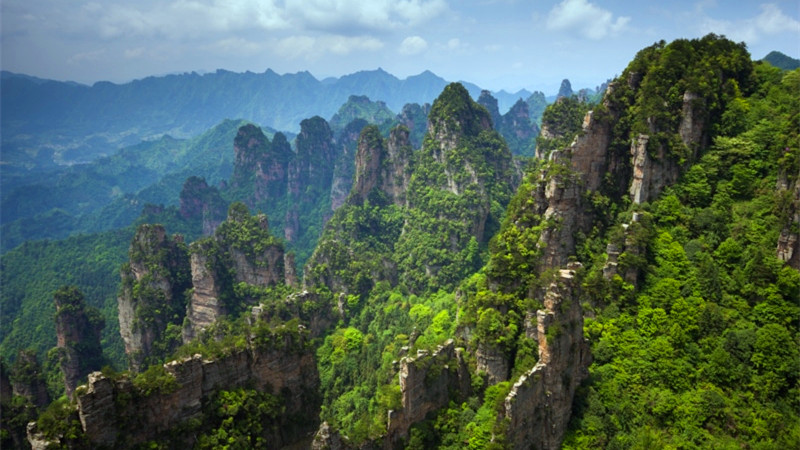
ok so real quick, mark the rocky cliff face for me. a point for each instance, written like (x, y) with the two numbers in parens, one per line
(539, 405)
(310, 173)
(789, 241)
(241, 251)
(344, 168)
(151, 296)
(517, 122)
(415, 118)
(490, 103)
(78, 337)
(118, 414)
(260, 166)
(199, 201)
(426, 384)
(655, 165)
(383, 165)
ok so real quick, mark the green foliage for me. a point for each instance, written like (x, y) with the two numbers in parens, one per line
(60, 422)
(33, 271)
(243, 418)
(155, 379)
(563, 120)
(704, 354)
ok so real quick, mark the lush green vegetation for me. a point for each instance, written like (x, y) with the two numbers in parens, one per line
(705, 352)
(110, 193)
(699, 348)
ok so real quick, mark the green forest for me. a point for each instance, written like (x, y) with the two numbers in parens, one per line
(444, 255)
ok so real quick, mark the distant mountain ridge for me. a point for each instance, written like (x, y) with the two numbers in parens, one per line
(781, 60)
(48, 122)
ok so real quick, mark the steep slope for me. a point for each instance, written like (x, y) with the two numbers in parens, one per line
(449, 195)
(414, 222)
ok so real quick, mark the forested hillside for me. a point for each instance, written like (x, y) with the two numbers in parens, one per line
(637, 284)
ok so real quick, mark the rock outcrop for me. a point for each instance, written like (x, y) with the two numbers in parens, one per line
(788, 249)
(655, 165)
(310, 175)
(415, 118)
(490, 103)
(344, 167)
(199, 201)
(260, 167)
(78, 336)
(241, 251)
(383, 165)
(539, 405)
(426, 384)
(152, 294)
(118, 414)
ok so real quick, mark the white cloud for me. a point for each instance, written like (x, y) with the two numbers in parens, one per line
(770, 21)
(584, 18)
(311, 48)
(413, 45)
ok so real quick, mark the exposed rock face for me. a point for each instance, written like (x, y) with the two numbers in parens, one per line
(517, 122)
(562, 199)
(654, 167)
(328, 439)
(493, 362)
(425, 385)
(261, 166)
(415, 118)
(344, 169)
(205, 306)
(383, 165)
(199, 201)
(152, 290)
(539, 405)
(241, 251)
(566, 89)
(78, 337)
(115, 413)
(310, 173)
(789, 240)
(490, 103)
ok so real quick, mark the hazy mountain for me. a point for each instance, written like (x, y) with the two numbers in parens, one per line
(782, 61)
(47, 122)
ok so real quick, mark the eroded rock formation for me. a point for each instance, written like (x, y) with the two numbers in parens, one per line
(789, 240)
(241, 251)
(539, 405)
(78, 336)
(151, 297)
(118, 414)
(426, 384)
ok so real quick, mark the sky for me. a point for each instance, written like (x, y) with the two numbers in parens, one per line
(497, 44)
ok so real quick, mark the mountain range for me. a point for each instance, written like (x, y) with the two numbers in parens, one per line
(47, 123)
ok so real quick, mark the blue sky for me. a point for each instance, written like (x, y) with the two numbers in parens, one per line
(497, 44)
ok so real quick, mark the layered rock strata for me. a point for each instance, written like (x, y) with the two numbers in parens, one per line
(117, 414)
(152, 290)
(539, 405)
(426, 384)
